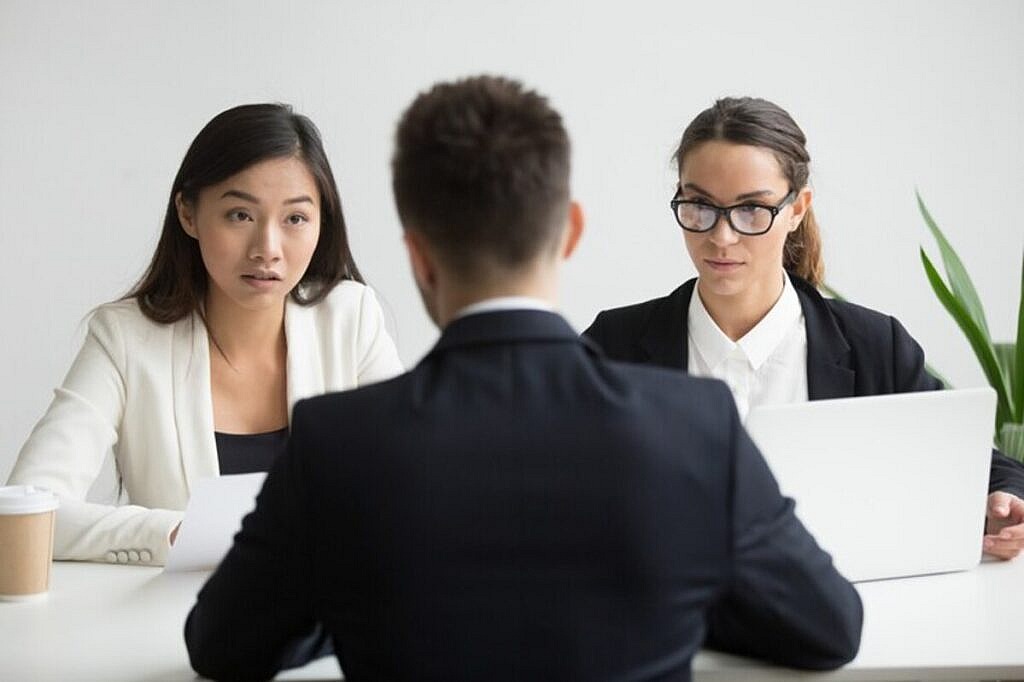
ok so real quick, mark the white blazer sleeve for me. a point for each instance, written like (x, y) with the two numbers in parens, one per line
(66, 450)
(378, 357)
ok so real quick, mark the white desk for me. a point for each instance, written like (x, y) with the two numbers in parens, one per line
(113, 623)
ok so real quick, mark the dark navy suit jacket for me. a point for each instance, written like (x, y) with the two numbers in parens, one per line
(519, 508)
(851, 351)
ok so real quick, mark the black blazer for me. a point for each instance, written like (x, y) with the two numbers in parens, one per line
(518, 508)
(851, 351)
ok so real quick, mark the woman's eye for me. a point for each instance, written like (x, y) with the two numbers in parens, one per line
(238, 216)
(297, 219)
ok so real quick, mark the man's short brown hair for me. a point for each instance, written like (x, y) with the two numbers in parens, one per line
(481, 169)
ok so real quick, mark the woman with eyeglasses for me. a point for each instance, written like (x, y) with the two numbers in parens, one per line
(753, 317)
(251, 302)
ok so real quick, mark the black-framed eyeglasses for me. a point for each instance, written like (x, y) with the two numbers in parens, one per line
(695, 215)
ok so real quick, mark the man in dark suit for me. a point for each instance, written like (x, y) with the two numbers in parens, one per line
(516, 506)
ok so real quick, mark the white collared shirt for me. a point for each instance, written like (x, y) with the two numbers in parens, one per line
(767, 366)
(490, 305)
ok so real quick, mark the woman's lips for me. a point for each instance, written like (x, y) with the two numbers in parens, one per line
(720, 265)
(262, 280)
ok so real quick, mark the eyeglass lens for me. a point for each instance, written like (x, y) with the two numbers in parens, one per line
(697, 216)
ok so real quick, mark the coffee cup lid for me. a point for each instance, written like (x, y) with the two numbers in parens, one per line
(26, 499)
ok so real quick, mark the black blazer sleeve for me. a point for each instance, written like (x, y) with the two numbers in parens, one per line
(908, 362)
(784, 600)
(255, 615)
(1005, 474)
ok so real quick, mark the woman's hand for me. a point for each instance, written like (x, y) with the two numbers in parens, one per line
(1004, 525)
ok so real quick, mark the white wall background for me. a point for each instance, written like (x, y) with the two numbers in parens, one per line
(99, 100)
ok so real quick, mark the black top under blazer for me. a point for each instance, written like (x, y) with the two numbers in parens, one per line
(851, 351)
(519, 508)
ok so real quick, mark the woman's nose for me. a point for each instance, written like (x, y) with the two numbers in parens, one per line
(721, 233)
(266, 243)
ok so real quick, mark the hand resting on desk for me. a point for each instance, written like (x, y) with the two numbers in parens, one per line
(1004, 525)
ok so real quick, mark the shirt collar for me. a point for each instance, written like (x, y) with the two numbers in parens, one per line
(710, 342)
(490, 305)
(758, 344)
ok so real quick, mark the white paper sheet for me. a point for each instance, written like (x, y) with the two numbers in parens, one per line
(214, 514)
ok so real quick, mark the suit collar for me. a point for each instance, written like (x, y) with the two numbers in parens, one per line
(305, 362)
(506, 326)
(665, 338)
(830, 372)
(193, 400)
(193, 397)
(757, 345)
(490, 305)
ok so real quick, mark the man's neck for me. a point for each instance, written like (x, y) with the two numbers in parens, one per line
(451, 300)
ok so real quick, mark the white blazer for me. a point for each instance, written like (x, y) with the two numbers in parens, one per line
(143, 389)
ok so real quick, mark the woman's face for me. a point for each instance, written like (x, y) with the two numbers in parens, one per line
(726, 174)
(257, 231)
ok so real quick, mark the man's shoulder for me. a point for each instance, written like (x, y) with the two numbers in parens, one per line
(371, 395)
(661, 389)
(673, 385)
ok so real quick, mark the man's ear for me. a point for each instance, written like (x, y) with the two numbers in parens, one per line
(185, 216)
(573, 231)
(424, 269)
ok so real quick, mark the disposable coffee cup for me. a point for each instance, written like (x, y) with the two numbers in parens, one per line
(27, 516)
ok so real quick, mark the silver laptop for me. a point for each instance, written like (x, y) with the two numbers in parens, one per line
(891, 485)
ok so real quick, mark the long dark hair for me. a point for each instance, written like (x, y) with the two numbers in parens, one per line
(760, 123)
(175, 283)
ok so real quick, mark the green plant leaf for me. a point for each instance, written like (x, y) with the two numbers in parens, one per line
(1011, 441)
(1018, 374)
(959, 280)
(979, 343)
(1006, 356)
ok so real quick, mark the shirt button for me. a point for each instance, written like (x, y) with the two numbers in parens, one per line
(133, 556)
(145, 556)
(111, 557)
(122, 557)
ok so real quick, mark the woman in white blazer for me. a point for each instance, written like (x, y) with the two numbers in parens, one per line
(252, 301)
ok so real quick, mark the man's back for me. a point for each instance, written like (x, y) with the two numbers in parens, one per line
(516, 507)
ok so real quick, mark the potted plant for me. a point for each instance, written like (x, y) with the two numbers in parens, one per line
(1003, 363)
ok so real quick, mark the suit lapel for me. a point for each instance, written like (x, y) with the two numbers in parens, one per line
(304, 364)
(830, 373)
(193, 402)
(665, 339)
